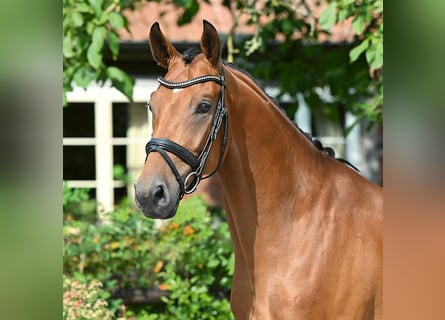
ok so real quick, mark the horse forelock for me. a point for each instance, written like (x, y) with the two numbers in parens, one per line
(190, 54)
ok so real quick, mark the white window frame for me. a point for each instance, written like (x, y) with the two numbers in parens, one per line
(103, 98)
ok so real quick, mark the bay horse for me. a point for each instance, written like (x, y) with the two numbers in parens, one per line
(306, 229)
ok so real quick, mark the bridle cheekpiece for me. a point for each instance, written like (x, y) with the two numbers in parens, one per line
(162, 145)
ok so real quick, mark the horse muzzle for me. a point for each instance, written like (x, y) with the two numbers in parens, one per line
(156, 199)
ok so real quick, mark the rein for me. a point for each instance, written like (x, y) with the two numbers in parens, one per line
(161, 145)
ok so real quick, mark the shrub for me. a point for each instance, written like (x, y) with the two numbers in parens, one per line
(189, 256)
(77, 204)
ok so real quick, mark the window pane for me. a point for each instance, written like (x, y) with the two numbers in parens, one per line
(79, 163)
(78, 120)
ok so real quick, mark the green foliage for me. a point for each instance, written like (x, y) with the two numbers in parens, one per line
(77, 204)
(72, 196)
(190, 256)
(290, 28)
(328, 16)
(367, 24)
(89, 29)
(189, 9)
(301, 65)
(201, 246)
(120, 173)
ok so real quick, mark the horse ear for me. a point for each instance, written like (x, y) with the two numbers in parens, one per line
(162, 50)
(210, 43)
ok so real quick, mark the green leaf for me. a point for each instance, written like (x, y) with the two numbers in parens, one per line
(191, 10)
(184, 3)
(121, 81)
(287, 26)
(65, 99)
(343, 13)
(113, 43)
(378, 6)
(121, 215)
(358, 24)
(116, 20)
(94, 52)
(119, 172)
(94, 57)
(67, 46)
(358, 50)
(90, 27)
(329, 16)
(102, 19)
(83, 77)
(374, 55)
(98, 37)
(83, 7)
(96, 5)
(77, 19)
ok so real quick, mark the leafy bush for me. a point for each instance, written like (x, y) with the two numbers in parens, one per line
(77, 204)
(199, 264)
(189, 256)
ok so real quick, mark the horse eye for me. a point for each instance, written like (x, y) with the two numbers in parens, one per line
(203, 107)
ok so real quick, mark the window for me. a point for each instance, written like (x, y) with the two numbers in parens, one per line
(104, 138)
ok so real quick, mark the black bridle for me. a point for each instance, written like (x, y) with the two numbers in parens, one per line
(161, 145)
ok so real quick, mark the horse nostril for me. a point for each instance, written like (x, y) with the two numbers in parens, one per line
(159, 193)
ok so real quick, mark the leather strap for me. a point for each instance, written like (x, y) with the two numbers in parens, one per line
(160, 143)
(191, 82)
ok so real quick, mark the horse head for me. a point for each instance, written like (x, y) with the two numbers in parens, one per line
(187, 112)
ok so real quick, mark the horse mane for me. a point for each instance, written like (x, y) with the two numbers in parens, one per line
(188, 56)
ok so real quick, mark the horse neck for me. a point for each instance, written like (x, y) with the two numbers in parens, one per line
(267, 155)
